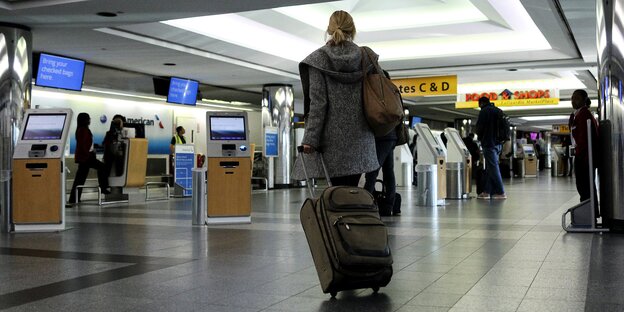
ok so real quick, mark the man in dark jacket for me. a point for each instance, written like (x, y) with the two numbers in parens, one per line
(486, 130)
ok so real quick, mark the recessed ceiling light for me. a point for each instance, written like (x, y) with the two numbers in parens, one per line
(169, 64)
(106, 14)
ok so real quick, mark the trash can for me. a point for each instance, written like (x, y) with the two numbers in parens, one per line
(199, 196)
(518, 167)
(554, 167)
(427, 189)
(407, 174)
(455, 188)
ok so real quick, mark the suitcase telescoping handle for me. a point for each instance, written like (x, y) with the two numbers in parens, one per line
(305, 170)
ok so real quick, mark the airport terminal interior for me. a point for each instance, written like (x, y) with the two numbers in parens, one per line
(197, 107)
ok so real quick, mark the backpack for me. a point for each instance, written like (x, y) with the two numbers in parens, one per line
(503, 131)
(383, 107)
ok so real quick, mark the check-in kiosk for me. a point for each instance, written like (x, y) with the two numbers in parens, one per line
(229, 168)
(128, 169)
(457, 154)
(38, 202)
(559, 162)
(433, 156)
(530, 160)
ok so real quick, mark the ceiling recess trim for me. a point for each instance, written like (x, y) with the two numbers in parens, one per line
(197, 52)
(26, 4)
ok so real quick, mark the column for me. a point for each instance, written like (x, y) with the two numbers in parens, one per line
(277, 111)
(15, 78)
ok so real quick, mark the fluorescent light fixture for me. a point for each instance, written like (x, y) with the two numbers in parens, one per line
(542, 118)
(208, 103)
(244, 32)
(451, 12)
(123, 94)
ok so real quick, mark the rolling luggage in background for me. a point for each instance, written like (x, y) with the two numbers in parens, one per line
(348, 241)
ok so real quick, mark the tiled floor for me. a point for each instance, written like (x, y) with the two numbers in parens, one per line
(470, 255)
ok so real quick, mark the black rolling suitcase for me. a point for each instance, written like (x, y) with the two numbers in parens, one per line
(348, 240)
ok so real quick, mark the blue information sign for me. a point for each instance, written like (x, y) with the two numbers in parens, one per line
(182, 91)
(184, 163)
(271, 141)
(60, 72)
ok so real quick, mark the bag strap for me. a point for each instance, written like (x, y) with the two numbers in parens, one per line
(366, 51)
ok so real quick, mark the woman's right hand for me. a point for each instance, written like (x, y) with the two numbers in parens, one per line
(308, 148)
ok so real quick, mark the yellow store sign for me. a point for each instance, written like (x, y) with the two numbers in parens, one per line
(439, 85)
(561, 129)
(507, 97)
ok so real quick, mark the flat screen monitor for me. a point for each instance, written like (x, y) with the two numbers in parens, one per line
(44, 127)
(528, 149)
(60, 72)
(182, 91)
(227, 128)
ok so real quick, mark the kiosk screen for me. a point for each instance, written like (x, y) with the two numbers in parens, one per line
(428, 135)
(226, 128)
(528, 149)
(44, 127)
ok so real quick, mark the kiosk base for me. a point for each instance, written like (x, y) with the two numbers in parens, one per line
(31, 228)
(582, 219)
(229, 190)
(44, 212)
(228, 220)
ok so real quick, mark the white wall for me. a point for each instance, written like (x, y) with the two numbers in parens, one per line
(110, 102)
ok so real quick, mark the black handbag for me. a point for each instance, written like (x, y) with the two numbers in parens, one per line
(402, 133)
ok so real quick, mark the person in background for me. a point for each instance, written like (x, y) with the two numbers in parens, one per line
(414, 148)
(177, 138)
(84, 156)
(385, 156)
(567, 157)
(581, 102)
(331, 78)
(113, 147)
(486, 130)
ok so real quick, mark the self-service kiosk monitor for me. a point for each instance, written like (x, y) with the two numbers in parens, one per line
(44, 134)
(528, 149)
(428, 148)
(227, 134)
(457, 150)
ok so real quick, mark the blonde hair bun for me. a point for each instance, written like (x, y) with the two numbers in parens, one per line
(341, 27)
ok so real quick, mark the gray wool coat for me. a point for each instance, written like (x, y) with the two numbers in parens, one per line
(332, 85)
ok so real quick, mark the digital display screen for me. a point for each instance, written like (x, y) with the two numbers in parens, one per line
(415, 120)
(225, 128)
(528, 149)
(44, 127)
(182, 91)
(60, 72)
(428, 136)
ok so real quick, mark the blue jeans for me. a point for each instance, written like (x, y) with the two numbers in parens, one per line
(493, 179)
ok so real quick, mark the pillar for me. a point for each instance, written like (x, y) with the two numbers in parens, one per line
(15, 79)
(277, 111)
(610, 44)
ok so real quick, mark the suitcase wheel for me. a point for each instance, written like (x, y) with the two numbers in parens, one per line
(333, 294)
(375, 289)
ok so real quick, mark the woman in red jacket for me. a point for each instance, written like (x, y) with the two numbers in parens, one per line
(85, 158)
